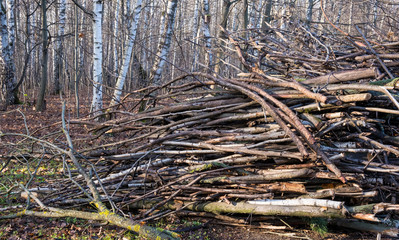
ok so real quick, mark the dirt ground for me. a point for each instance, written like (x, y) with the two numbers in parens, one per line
(41, 228)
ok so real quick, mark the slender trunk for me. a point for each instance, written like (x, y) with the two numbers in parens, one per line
(256, 16)
(321, 17)
(375, 13)
(207, 34)
(267, 15)
(127, 55)
(350, 16)
(164, 44)
(245, 15)
(221, 35)
(40, 102)
(116, 25)
(339, 13)
(76, 54)
(309, 13)
(59, 49)
(195, 28)
(7, 30)
(97, 102)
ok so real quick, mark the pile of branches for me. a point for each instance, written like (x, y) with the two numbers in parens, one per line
(303, 131)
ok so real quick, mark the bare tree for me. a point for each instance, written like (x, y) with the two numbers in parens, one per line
(164, 44)
(7, 30)
(59, 48)
(40, 102)
(127, 55)
(207, 33)
(97, 101)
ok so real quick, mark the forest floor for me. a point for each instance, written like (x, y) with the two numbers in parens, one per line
(42, 123)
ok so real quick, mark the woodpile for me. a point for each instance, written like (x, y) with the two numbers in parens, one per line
(309, 129)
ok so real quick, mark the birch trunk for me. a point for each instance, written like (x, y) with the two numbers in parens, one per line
(164, 44)
(127, 55)
(207, 34)
(350, 16)
(59, 49)
(7, 30)
(116, 25)
(194, 28)
(97, 102)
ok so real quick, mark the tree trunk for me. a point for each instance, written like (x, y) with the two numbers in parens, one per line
(127, 55)
(221, 35)
(339, 13)
(76, 55)
(207, 34)
(59, 48)
(7, 30)
(309, 13)
(40, 102)
(245, 15)
(97, 102)
(116, 25)
(267, 15)
(164, 44)
(375, 12)
(195, 27)
(350, 16)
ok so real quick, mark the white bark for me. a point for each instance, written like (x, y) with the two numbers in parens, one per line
(164, 44)
(127, 55)
(300, 202)
(207, 33)
(195, 24)
(195, 27)
(7, 30)
(116, 25)
(97, 103)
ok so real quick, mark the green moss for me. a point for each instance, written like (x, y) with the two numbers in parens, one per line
(319, 225)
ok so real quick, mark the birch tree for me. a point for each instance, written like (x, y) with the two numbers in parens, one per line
(116, 25)
(97, 102)
(7, 31)
(127, 55)
(207, 33)
(59, 48)
(195, 27)
(164, 44)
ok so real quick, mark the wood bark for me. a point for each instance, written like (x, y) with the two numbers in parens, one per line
(40, 102)
(97, 100)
